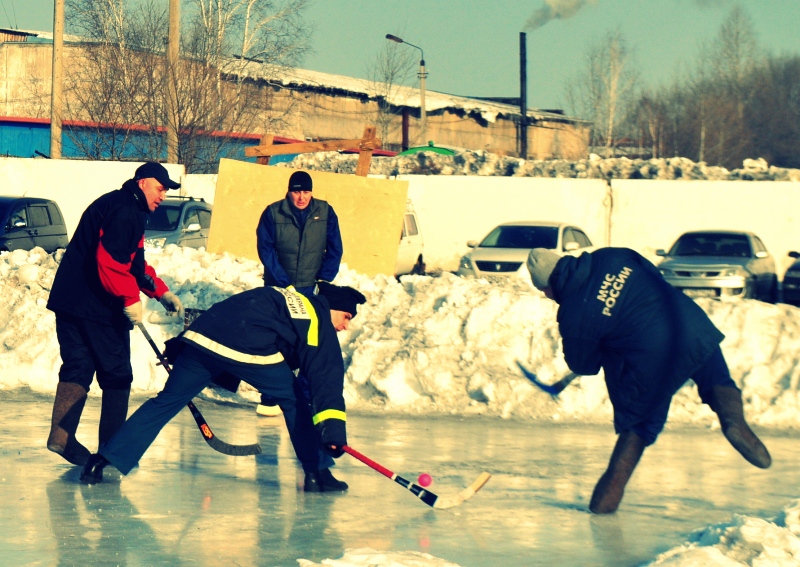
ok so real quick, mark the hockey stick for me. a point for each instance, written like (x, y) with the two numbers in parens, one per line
(553, 389)
(213, 441)
(426, 496)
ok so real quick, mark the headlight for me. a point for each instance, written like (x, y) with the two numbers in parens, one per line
(155, 242)
(465, 263)
(737, 271)
(666, 273)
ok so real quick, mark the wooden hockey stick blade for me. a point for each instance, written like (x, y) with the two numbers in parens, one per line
(452, 501)
(213, 441)
(553, 389)
(423, 494)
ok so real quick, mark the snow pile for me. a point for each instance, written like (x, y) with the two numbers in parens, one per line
(425, 345)
(489, 164)
(370, 558)
(742, 541)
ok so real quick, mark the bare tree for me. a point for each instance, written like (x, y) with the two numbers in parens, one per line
(391, 68)
(229, 51)
(605, 85)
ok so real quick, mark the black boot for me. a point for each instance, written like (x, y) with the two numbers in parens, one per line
(727, 404)
(67, 410)
(93, 469)
(323, 481)
(113, 411)
(611, 487)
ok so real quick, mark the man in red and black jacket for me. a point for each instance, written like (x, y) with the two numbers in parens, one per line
(95, 297)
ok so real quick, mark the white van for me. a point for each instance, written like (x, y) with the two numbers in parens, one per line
(409, 254)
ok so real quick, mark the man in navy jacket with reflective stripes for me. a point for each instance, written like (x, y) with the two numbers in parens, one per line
(617, 313)
(257, 336)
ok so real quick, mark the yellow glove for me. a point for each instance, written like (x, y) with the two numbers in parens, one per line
(134, 313)
(172, 304)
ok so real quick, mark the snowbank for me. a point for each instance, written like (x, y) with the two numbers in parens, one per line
(489, 164)
(424, 345)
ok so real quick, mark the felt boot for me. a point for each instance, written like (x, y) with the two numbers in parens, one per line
(113, 412)
(727, 404)
(92, 472)
(611, 487)
(323, 481)
(67, 410)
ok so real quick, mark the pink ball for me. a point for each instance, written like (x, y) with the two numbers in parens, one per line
(424, 480)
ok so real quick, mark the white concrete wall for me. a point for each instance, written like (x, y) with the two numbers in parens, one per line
(641, 214)
(73, 184)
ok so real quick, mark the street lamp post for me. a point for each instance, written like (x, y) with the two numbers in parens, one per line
(422, 75)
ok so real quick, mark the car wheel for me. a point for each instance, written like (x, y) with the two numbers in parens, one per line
(772, 297)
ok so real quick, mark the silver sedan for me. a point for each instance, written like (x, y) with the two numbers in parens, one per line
(721, 264)
(505, 249)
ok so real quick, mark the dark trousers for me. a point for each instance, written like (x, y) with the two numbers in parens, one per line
(713, 372)
(88, 348)
(192, 372)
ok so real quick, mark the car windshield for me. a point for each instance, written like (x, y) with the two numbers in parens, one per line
(165, 217)
(711, 244)
(522, 237)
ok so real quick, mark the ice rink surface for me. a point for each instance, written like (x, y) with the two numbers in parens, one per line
(188, 505)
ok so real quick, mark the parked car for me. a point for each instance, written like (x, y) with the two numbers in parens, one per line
(722, 264)
(409, 253)
(28, 222)
(183, 221)
(505, 249)
(791, 281)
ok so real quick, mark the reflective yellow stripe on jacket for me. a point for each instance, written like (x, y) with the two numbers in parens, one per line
(329, 414)
(228, 352)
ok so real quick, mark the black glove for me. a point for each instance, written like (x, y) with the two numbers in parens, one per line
(333, 435)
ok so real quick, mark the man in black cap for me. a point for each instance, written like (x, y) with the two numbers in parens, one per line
(299, 244)
(258, 336)
(617, 312)
(95, 297)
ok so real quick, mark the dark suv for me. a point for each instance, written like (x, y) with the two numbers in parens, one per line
(183, 221)
(28, 222)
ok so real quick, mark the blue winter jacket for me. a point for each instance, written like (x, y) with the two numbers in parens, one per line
(616, 312)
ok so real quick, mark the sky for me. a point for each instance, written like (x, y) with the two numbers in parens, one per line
(446, 345)
(471, 48)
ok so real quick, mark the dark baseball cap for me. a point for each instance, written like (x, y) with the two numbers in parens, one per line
(157, 172)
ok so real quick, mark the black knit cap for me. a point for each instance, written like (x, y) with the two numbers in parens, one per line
(341, 298)
(300, 181)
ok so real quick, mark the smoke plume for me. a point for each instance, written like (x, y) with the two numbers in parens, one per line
(553, 10)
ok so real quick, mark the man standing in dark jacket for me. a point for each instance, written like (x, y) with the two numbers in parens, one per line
(95, 297)
(257, 336)
(618, 313)
(299, 243)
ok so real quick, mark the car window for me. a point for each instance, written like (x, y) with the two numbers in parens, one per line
(522, 237)
(55, 216)
(165, 217)
(582, 239)
(39, 215)
(411, 226)
(205, 218)
(569, 236)
(19, 217)
(191, 217)
(712, 244)
(758, 245)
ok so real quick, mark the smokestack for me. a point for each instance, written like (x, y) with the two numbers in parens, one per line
(523, 97)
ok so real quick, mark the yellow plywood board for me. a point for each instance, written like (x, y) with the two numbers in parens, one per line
(370, 212)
